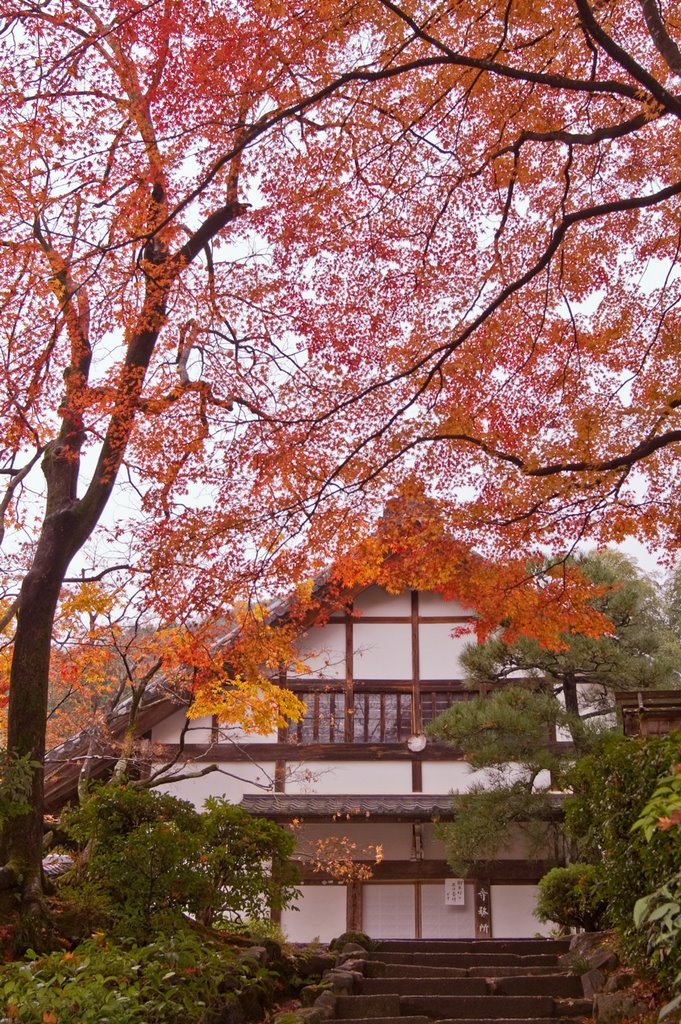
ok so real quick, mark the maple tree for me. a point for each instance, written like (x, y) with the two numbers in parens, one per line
(131, 143)
(264, 264)
(111, 659)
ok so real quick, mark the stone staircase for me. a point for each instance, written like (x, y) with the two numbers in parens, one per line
(460, 981)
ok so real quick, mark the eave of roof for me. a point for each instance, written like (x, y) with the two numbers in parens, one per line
(357, 808)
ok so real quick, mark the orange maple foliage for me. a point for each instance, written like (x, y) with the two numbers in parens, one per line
(266, 265)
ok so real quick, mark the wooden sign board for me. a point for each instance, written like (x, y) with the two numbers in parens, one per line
(483, 910)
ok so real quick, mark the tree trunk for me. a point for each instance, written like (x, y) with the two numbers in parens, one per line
(570, 694)
(63, 532)
(572, 706)
(29, 682)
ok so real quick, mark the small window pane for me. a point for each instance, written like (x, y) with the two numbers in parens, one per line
(382, 717)
(434, 703)
(324, 719)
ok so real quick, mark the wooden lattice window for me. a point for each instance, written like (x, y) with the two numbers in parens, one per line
(381, 717)
(324, 719)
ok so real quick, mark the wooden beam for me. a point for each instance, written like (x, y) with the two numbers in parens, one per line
(508, 872)
(303, 752)
(396, 619)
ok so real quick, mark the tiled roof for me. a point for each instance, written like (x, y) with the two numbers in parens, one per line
(305, 807)
(334, 808)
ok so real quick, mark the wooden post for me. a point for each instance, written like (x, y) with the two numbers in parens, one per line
(354, 906)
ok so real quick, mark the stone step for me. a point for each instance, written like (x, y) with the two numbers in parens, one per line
(431, 986)
(558, 986)
(517, 946)
(474, 1007)
(574, 1007)
(385, 1005)
(491, 1020)
(377, 969)
(463, 959)
(461, 982)
(503, 972)
(459, 1020)
(554, 985)
(399, 1020)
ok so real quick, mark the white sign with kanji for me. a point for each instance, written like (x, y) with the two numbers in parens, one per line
(454, 892)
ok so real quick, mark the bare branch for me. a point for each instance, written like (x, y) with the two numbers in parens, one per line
(17, 477)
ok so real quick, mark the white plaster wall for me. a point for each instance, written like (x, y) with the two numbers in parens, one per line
(516, 846)
(439, 651)
(376, 601)
(433, 848)
(432, 604)
(395, 838)
(169, 730)
(321, 914)
(200, 731)
(231, 783)
(323, 652)
(388, 911)
(512, 917)
(382, 650)
(458, 777)
(446, 776)
(384, 777)
(233, 734)
(439, 921)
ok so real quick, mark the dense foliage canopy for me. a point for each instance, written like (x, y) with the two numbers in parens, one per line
(263, 265)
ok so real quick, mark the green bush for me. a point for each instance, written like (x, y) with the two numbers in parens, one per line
(658, 914)
(171, 981)
(611, 788)
(149, 859)
(138, 866)
(573, 896)
(244, 865)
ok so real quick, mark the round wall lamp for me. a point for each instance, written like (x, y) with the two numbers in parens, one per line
(417, 742)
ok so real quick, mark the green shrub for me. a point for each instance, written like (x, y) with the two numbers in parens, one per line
(244, 865)
(658, 914)
(149, 859)
(611, 789)
(260, 931)
(171, 981)
(573, 896)
(141, 849)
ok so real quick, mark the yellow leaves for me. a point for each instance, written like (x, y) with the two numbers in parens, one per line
(256, 705)
(89, 599)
